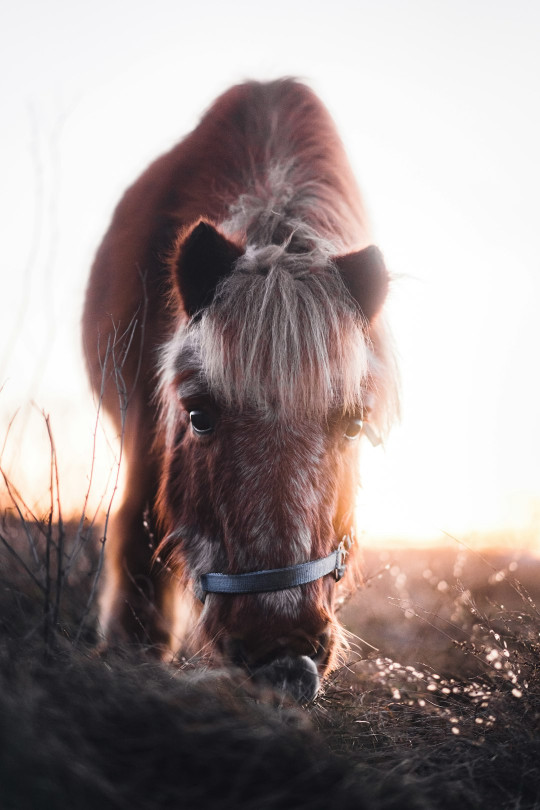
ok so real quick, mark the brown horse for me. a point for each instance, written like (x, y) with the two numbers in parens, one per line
(233, 329)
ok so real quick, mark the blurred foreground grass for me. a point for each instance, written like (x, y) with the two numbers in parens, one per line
(437, 703)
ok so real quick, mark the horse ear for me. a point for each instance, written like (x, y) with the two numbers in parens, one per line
(203, 257)
(366, 277)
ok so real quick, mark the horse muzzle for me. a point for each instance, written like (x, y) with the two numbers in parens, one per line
(296, 677)
(292, 667)
(289, 670)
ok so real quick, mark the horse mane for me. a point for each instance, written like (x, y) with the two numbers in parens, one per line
(280, 151)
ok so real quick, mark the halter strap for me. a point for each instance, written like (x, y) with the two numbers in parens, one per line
(278, 579)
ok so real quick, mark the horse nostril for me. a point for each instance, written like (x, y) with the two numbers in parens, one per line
(298, 677)
(235, 652)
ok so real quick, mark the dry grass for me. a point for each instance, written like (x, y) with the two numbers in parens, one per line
(452, 697)
(445, 713)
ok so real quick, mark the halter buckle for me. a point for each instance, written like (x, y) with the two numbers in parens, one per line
(341, 557)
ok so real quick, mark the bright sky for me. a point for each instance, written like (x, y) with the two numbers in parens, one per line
(438, 105)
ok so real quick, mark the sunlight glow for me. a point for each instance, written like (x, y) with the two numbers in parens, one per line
(445, 150)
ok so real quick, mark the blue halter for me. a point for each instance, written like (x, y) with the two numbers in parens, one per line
(279, 579)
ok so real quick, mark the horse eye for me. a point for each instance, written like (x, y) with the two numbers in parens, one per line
(202, 422)
(354, 429)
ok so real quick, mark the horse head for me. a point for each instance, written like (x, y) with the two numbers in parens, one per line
(265, 387)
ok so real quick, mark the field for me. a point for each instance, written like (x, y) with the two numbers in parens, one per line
(436, 706)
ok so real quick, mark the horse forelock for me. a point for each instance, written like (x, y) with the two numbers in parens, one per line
(281, 335)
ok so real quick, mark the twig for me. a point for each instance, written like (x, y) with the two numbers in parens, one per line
(8, 431)
(59, 523)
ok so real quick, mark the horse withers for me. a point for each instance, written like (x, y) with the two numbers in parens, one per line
(233, 331)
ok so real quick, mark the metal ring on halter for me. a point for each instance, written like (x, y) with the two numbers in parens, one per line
(342, 554)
